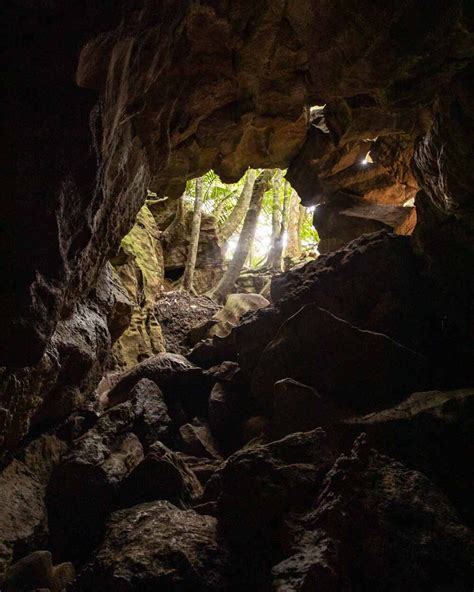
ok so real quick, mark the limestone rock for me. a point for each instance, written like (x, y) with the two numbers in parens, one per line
(202, 467)
(37, 571)
(23, 518)
(140, 267)
(41, 455)
(337, 224)
(70, 369)
(359, 536)
(198, 440)
(272, 479)
(430, 432)
(297, 408)
(151, 420)
(181, 381)
(83, 489)
(155, 545)
(161, 475)
(349, 366)
(236, 307)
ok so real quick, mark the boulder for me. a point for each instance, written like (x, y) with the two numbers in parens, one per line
(350, 366)
(183, 384)
(156, 546)
(377, 526)
(197, 440)
(430, 432)
(41, 455)
(202, 467)
(23, 518)
(353, 284)
(161, 475)
(257, 485)
(297, 408)
(36, 571)
(227, 408)
(235, 308)
(151, 420)
(338, 224)
(83, 489)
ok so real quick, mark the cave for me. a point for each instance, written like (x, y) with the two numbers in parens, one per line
(307, 428)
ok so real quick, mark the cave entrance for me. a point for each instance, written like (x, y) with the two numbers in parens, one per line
(217, 245)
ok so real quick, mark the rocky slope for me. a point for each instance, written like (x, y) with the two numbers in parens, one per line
(303, 451)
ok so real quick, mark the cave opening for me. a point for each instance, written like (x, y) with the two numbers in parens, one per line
(237, 296)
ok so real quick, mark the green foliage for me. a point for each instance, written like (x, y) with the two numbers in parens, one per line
(220, 199)
(309, 234)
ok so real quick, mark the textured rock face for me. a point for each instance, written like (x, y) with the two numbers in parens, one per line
(429, 432)
(161, 475)
(358, 535)
(238, 83)
(173, 89)
(52, 180)
(71, 366)
(23, 518)
(353, 367)
(23, 524)
(236, 307)
(89, 481)
(184, 384)
(155, 545)
(352, 284)
(140, 266)
(37, 570)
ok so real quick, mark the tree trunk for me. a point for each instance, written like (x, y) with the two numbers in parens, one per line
(301, 218)
(246, 237)
(277, 259)
(194, 241)
(235, 218)
(178, 219)
(293, 250)
(276, 216)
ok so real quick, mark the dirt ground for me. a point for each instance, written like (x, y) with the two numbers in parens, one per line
(178, 312)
